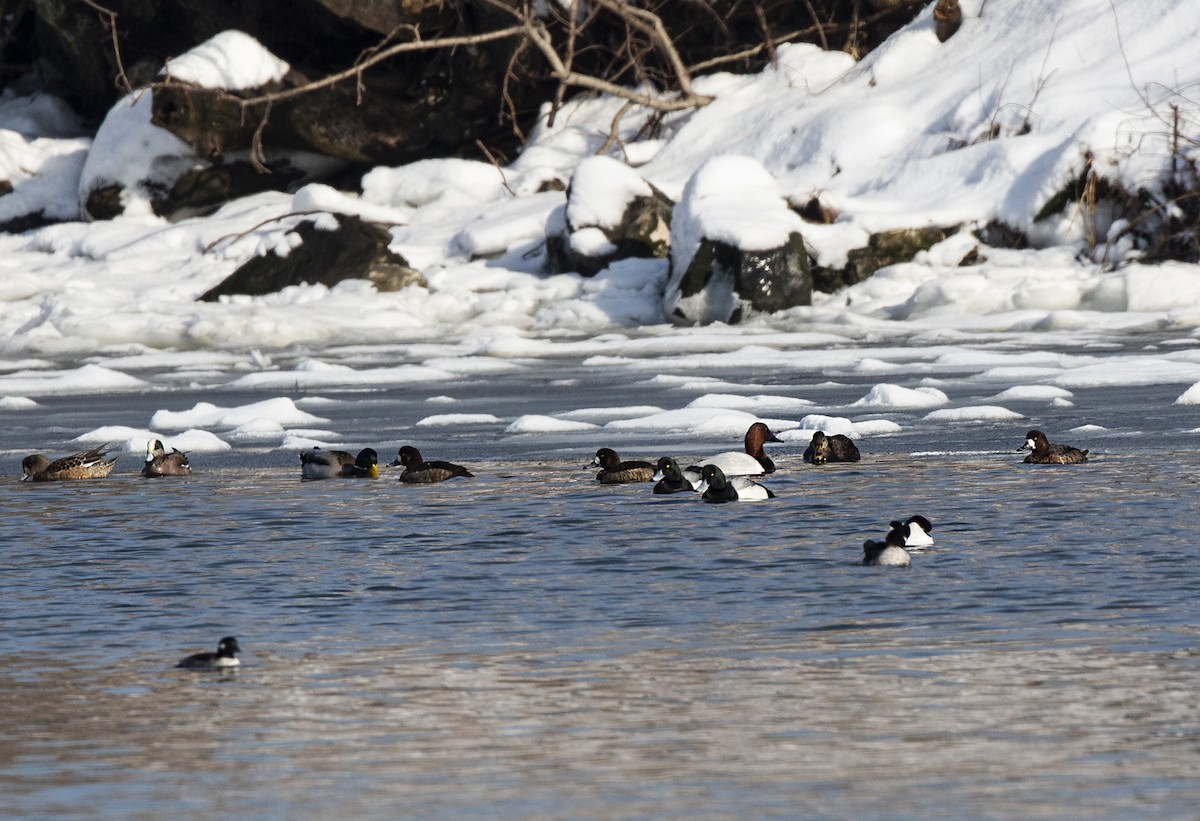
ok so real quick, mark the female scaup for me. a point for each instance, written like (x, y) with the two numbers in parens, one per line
(890, 552)
(670, 478)
(226, 656)
(915, 530)
(615, 472)
(836, 448)
(338, 464)
(160, 463)
(1044, 453)
(90, 464)
(751, 461)
(716, 487)
(417, 471)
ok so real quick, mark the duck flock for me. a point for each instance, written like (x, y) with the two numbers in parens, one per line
(730, 476)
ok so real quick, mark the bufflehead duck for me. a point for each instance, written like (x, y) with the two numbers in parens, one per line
(889, 552)
(338, 464)
(615, 472)
(226, 656)
(751, 461)
(1044, 453)
(915, 530)
(716, 487)
(90, 464)
(836, 448)
(670, 478)
(419, 472)
(161, 463)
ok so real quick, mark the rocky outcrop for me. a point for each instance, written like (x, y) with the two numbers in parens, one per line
(611, 214)
(332, 248)
(883, 249)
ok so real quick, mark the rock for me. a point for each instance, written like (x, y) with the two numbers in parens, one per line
(883, 249)
(611, 214)
(355, 250)
(735, 246)
(947, 17)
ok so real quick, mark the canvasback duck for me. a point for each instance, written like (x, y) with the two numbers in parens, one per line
(1044, 453)
(670, 478)
(160, 463)
(90, 464)
(836, 448)
(890, 552)
(615, 472)
(225, 657)
(417, 471)
(915, 530)
(716, 487)
(752, 461)
(339, 464)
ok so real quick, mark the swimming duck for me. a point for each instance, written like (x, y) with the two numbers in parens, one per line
(889, 552)
(90, 464)
(716, 487)
(670, 478)
(615, 472)
(751, 461)
(836, 448)
(226, 656)
(160, 463)
(1044, 453)
(338, 464)
(915, 530)
(419, 472)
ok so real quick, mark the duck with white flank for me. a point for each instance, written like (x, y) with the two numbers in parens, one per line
(916, 531)
(1044, 453)
(224, 658)
(670, 478)
(716, 487)
(890, 552)
(752, 461)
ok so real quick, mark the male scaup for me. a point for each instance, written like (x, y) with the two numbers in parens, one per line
(417, 471)
(90, 464)
(751, 461)
(226, 656)
(339, 464)
(915, 530)
(160, 463)
(836, 448)
(1044, 453)
(670, 478)
(615, 472)
(890, 552)
(716, 487)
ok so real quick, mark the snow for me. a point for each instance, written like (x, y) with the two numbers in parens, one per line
(984, 127)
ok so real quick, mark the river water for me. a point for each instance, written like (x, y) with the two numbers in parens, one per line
(530, 644)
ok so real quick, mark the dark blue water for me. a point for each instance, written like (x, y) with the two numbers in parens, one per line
(531, 644)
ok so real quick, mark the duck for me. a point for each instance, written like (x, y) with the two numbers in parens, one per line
(615, 472)
(339, 464)
(890, 552)
(752, 461)
(90, 464)
(670, 477)
(716, 487)
(160, 463)
(1044, 453)
(836, 448)
(417, 471)
(225, 657)
(915, 530)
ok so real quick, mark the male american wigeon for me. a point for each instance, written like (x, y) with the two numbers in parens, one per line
(160, 463)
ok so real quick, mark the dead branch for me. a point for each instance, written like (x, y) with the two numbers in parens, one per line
(110, 23)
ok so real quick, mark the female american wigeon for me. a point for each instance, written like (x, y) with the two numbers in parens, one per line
(417, 471)
(90, 464)
(751, 461)
(160, 463)
(716, 487)
(836, 448)
(670, 478)
(615, 472)
(225, 657)
(890, 552)
(916, 531)
(1044, 453)
(339, 464)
